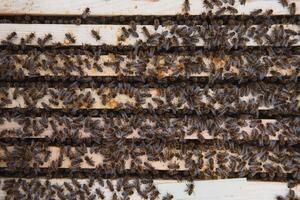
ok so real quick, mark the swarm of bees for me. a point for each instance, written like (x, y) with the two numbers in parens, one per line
(192, 99)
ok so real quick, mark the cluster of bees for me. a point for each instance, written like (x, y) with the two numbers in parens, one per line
(172, 157)
(147, 127)
(183, 98)
(158, 124)
(94, 188)
(212, 36)
(146, 66)
(226, 7)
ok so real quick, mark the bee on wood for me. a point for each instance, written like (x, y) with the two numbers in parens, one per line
(47, 38)
(292, 8)
(133, 33)
(218, 3)
(189, 188)
(154, 194)
(86, 189)
(91, 181)
(221, 11)
(70, 38)
(256, 12)
(89, 161)
(100, 181)
(110, 185)
(284, 3)
(114, 196)
(119, 184)
(43, 41)
(29, 38)
(268, 12)
(95, 34)
(208, 4)
(86, 13)
(92, 197)
(11, 36)
(149, 166)
(68, 186)
(156, 24)
(232, 10)
(168, 196)
(133, 25)
(100, 193)
(146, 32)
(251, 32)
(186, 7)
(124, 35)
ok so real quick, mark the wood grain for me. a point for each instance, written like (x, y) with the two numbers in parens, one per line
(128, 7)
(109, 34)
(204, 154)
(92, 98)
(14, 128)
(228, 189)
(161, 66)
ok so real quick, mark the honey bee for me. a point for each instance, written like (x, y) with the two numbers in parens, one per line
(189, 188)
(100, 193)
(110, 185)
(256, 12)
(29, 38)
(292, 8)
(221, 11)
(86, 13)
(11, 36)
(208, 4)
(168, 196)
(89, 161)
(284, 3)
(232, 10)
(186, 7)
(70, 38)
(95, 34)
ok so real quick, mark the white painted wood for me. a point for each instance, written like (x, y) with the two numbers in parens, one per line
(109, 33)
(162, 69)
(227, 189)
(13, 125)
(266, 191)
(223, 189)
(128, 7)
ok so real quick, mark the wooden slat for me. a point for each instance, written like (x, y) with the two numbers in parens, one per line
(169, 127)
(228, 189)
(109, 33)
(83, 98)
(241, 155)
(129, 7)
(167, 65)
(201, 187)
(246, 190)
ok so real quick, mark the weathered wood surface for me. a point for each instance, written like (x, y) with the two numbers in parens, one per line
(129, 7)
(239, 156)
(99, 98)
(98, 127)
(229, 189)
(161, 66)
(110, 34)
